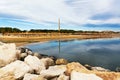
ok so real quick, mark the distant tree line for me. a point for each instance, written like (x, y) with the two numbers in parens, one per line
(9, 30)
(16, 30)
(51, 31)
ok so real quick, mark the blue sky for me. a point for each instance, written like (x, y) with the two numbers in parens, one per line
(74, 14)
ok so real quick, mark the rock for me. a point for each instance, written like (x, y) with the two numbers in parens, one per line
(83, 76)
(53, 71)
(18, 68)
(29, 76)
(61, 62)
(117, 69)
(7, 76)
(63, 77)
(30, 53)
(1, 43)
(22, 56)
(35, 63)
(40, 78)
(96, 68)
(55, 78)
(88, 66)
(33, 77)
(75, 66)
(47, 61)
(108, 75)
(7, 53)
(24, 50)
(99, 69)
(37, 55)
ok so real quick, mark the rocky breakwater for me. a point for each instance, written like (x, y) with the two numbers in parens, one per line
(23, 64)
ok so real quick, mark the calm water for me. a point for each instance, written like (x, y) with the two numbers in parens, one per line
(95, 52)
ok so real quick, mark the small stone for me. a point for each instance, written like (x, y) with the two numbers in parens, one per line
(61, 62)
(63, 77)
(37, 55)
(30, 53)
(47, 61)
(88, 66)
(22, 56)
(117, 69)
(99, 69)
(22, 50)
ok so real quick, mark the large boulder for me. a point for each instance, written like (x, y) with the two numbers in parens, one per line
(7, 53)
(35, 63)
(18, 68)
(108, 75)
(75, 66)
(53, 71)
(83, 76)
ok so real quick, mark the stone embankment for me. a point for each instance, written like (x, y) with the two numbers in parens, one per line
(23, 64)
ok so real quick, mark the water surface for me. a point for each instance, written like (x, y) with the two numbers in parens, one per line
(95, 52)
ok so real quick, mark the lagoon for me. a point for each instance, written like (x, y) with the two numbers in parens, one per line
(95, 52)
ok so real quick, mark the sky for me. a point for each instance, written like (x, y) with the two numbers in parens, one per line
(87, 15)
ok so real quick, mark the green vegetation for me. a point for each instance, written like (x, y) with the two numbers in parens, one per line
(9, 30)
(4, 30)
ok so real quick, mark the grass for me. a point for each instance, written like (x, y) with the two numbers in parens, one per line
(25, 40)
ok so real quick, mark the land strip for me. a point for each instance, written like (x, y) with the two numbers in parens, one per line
(25, 38)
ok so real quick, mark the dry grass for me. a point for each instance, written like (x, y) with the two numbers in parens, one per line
(25, 40)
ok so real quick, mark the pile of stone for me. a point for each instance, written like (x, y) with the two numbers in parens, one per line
(23, 64)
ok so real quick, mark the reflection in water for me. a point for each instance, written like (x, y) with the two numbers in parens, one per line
(97, 52)
(59, 46)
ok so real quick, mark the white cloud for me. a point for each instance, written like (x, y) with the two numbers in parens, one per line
(76, 12)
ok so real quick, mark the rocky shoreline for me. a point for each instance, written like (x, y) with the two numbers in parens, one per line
(18, 63)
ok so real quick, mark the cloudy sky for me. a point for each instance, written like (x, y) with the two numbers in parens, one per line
(74, 14)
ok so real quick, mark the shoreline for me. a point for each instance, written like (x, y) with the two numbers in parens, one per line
(50, 67)
(21, 41)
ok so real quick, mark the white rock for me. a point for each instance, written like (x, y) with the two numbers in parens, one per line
(35, 63)
(7, 53)
(23, 55)
(53, 71)
(83, 76)
(33, 77)
(99, 69)
(18, 68)
(29, 76)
